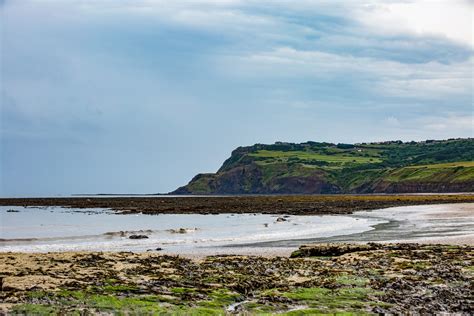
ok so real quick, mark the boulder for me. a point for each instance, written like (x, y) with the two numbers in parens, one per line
(138, 236)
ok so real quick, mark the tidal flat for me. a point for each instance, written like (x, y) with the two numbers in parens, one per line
(266, 204)
(317, 279)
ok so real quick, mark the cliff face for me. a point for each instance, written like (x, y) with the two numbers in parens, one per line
(250, 179)
(323, 168)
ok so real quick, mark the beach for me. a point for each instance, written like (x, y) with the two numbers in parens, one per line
(391, 260)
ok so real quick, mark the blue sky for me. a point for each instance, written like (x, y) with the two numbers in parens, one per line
(139, 96)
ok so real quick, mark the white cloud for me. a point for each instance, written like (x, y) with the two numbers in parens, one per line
(452, 19)
(453, 124)
(436, 126)
(428, 80)
(392, 121)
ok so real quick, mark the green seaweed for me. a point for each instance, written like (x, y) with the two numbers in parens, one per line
(33, 309)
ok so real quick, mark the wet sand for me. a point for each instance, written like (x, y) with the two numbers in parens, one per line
(450, 224)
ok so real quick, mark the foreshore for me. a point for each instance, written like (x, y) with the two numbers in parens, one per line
(268, 204)
(424, 275)
(331, 278)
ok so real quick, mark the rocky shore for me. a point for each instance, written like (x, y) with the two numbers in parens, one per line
(274, 204)
(323, 278)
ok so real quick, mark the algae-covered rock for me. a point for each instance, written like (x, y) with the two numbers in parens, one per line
(331, 249)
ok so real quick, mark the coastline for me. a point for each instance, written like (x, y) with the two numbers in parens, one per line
(266, 204)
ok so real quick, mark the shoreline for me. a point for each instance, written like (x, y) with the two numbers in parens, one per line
(424, 224)
(265, 204)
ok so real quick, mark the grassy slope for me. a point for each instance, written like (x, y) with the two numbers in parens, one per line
(455, 172)
(352, 168)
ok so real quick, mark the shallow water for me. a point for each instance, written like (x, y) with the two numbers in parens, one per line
(420, 223)
(66, 229)
(61, 229)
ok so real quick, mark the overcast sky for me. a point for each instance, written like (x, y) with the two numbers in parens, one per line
(137, 96)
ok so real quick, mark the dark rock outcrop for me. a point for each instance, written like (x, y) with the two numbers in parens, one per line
(138, 237)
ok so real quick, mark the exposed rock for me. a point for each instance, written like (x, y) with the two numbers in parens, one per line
(330, 249)
(138, 237)
(376, 278)
(181, 230)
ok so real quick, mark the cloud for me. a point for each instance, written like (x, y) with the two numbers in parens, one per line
(137, 85)
(392, 121)
(452, 124)
(386, 77)
(450, 19)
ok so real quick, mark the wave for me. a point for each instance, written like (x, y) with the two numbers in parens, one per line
(126, 233)
(106, 235)
(17, 239)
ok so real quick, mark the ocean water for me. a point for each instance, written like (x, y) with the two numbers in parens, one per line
(67, 229)
(63, 229)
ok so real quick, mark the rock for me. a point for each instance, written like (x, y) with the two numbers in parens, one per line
(138, 237)
(332, 249)
(158, 249)
(281, 219)
(179, 231)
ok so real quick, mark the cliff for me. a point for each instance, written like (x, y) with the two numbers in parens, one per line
(323, 168)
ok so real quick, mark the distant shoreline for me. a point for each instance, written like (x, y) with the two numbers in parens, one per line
(267, 204)
(112, 195)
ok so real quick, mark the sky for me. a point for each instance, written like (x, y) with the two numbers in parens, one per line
(138, 96)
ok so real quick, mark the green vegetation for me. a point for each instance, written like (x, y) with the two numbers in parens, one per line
(323, 300)
(34, 309)
(340, 157)
(432, 173)
(351, 280)
(335, 300)
(311, 167)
